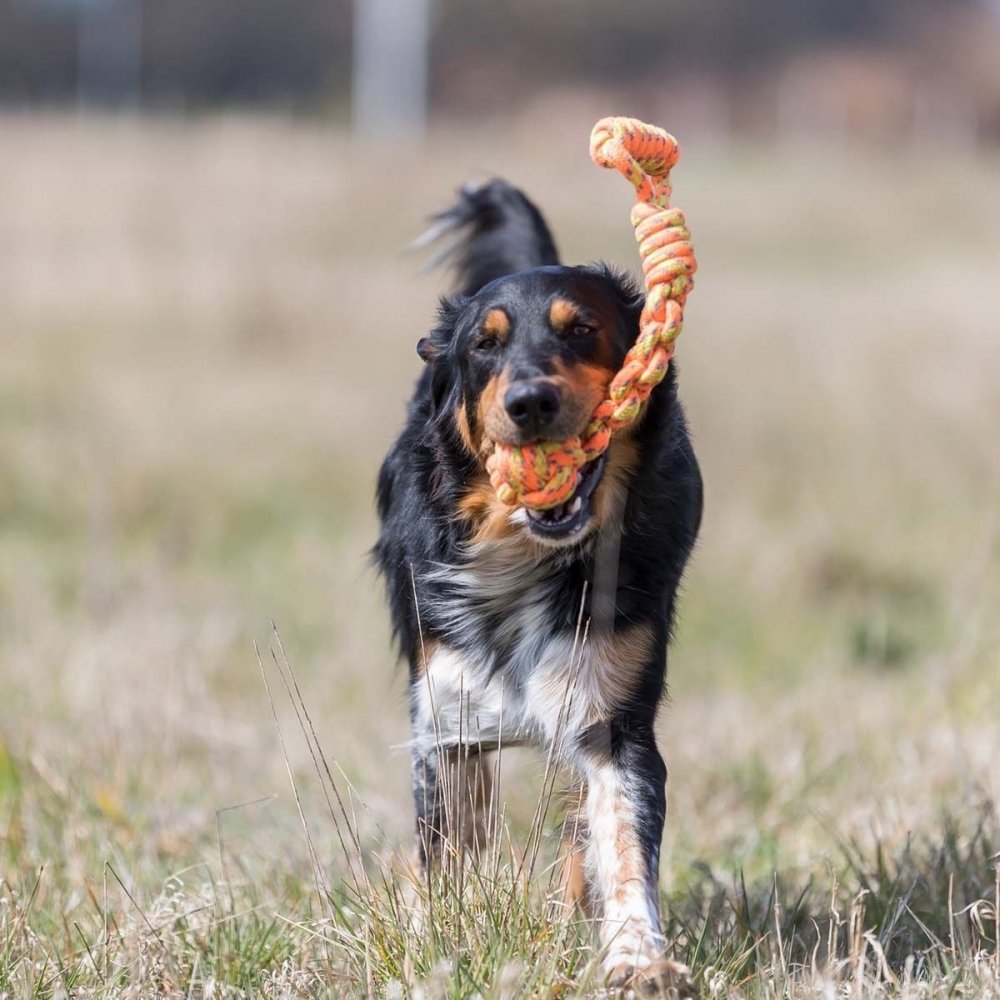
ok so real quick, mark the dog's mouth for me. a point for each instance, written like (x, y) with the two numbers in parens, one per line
(572, 515)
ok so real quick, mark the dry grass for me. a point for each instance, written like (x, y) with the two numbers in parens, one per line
(194, 394)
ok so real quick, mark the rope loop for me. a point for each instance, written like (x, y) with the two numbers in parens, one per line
(545, 474)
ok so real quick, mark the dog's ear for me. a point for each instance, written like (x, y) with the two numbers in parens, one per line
(434, 350)
(436, 343)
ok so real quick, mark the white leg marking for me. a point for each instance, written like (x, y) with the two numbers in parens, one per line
(630, 927)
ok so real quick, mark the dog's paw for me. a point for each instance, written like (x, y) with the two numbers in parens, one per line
(661, 977)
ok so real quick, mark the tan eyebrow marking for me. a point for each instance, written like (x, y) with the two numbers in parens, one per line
(497, 324)
(562, 314)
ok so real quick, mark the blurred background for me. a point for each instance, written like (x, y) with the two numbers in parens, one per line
(879, 70)
(207, 332)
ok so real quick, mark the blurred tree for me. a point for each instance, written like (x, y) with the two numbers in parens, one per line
(203, 52)
(37, 52)
(194, 52)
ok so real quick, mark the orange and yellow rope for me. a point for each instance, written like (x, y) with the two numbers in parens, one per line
(544, 474)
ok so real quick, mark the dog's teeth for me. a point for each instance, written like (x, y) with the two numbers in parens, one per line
(556, 515)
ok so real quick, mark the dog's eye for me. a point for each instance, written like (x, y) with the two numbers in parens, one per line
(487, 344)
(581, 329)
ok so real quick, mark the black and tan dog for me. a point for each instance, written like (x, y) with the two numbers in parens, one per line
(486, 600)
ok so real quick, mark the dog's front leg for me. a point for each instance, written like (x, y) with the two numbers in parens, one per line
(626, 808)
(428, 800)
(452, 793)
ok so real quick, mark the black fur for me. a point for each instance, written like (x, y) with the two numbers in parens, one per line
(498, 232)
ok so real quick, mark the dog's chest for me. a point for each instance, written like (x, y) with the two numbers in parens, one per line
(511, 666)
(462, 701)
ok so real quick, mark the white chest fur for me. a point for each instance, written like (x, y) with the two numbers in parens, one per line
(570, 684)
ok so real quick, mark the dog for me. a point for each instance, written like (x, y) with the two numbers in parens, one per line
(547, 628)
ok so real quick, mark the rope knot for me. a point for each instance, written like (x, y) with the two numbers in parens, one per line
(545, 474)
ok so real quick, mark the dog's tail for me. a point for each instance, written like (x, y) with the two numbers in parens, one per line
(492, 230)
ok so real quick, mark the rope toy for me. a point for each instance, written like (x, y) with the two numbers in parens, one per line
(545, 474)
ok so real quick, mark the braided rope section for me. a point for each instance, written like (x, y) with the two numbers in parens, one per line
(544, 474)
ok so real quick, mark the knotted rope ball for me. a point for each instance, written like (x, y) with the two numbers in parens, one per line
(544, 474)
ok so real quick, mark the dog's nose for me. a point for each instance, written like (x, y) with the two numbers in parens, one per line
(532, 404)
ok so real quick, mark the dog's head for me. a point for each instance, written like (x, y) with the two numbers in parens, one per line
(528, 358)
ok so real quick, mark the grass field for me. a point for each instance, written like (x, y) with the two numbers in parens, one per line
(195, 392)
